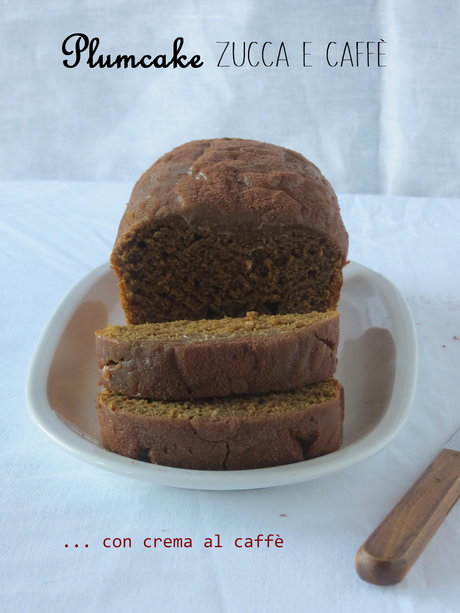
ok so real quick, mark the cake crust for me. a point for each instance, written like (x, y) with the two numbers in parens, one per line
(220, 227)
(180, 369)
(234, 186)
(215, 437)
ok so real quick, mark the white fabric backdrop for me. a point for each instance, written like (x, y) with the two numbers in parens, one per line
(393, 130)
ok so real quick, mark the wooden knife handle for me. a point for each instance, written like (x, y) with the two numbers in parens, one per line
(391, 550)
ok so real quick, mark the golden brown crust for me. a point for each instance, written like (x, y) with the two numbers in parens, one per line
(217, 438)
(203, 367)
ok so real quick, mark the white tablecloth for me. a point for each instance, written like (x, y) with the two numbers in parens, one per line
(51, 234)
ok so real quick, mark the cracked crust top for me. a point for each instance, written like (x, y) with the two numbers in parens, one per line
(232, 186)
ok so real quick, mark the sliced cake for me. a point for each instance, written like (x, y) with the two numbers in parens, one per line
(235, 433)
(209, 358)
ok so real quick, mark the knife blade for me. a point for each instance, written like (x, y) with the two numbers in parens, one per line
(390, 551)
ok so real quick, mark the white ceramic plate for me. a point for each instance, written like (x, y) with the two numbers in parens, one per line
(377, 367)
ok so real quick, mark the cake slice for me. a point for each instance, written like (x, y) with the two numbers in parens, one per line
(241, 432)
(212, 358)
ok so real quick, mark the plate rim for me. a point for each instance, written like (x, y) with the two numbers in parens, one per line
(358, 451)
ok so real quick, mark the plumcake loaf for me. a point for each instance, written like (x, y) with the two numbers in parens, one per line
(217, 228)
(200, 359)
(236, 433)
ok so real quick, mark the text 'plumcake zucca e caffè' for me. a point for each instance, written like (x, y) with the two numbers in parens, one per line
(220, 234)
